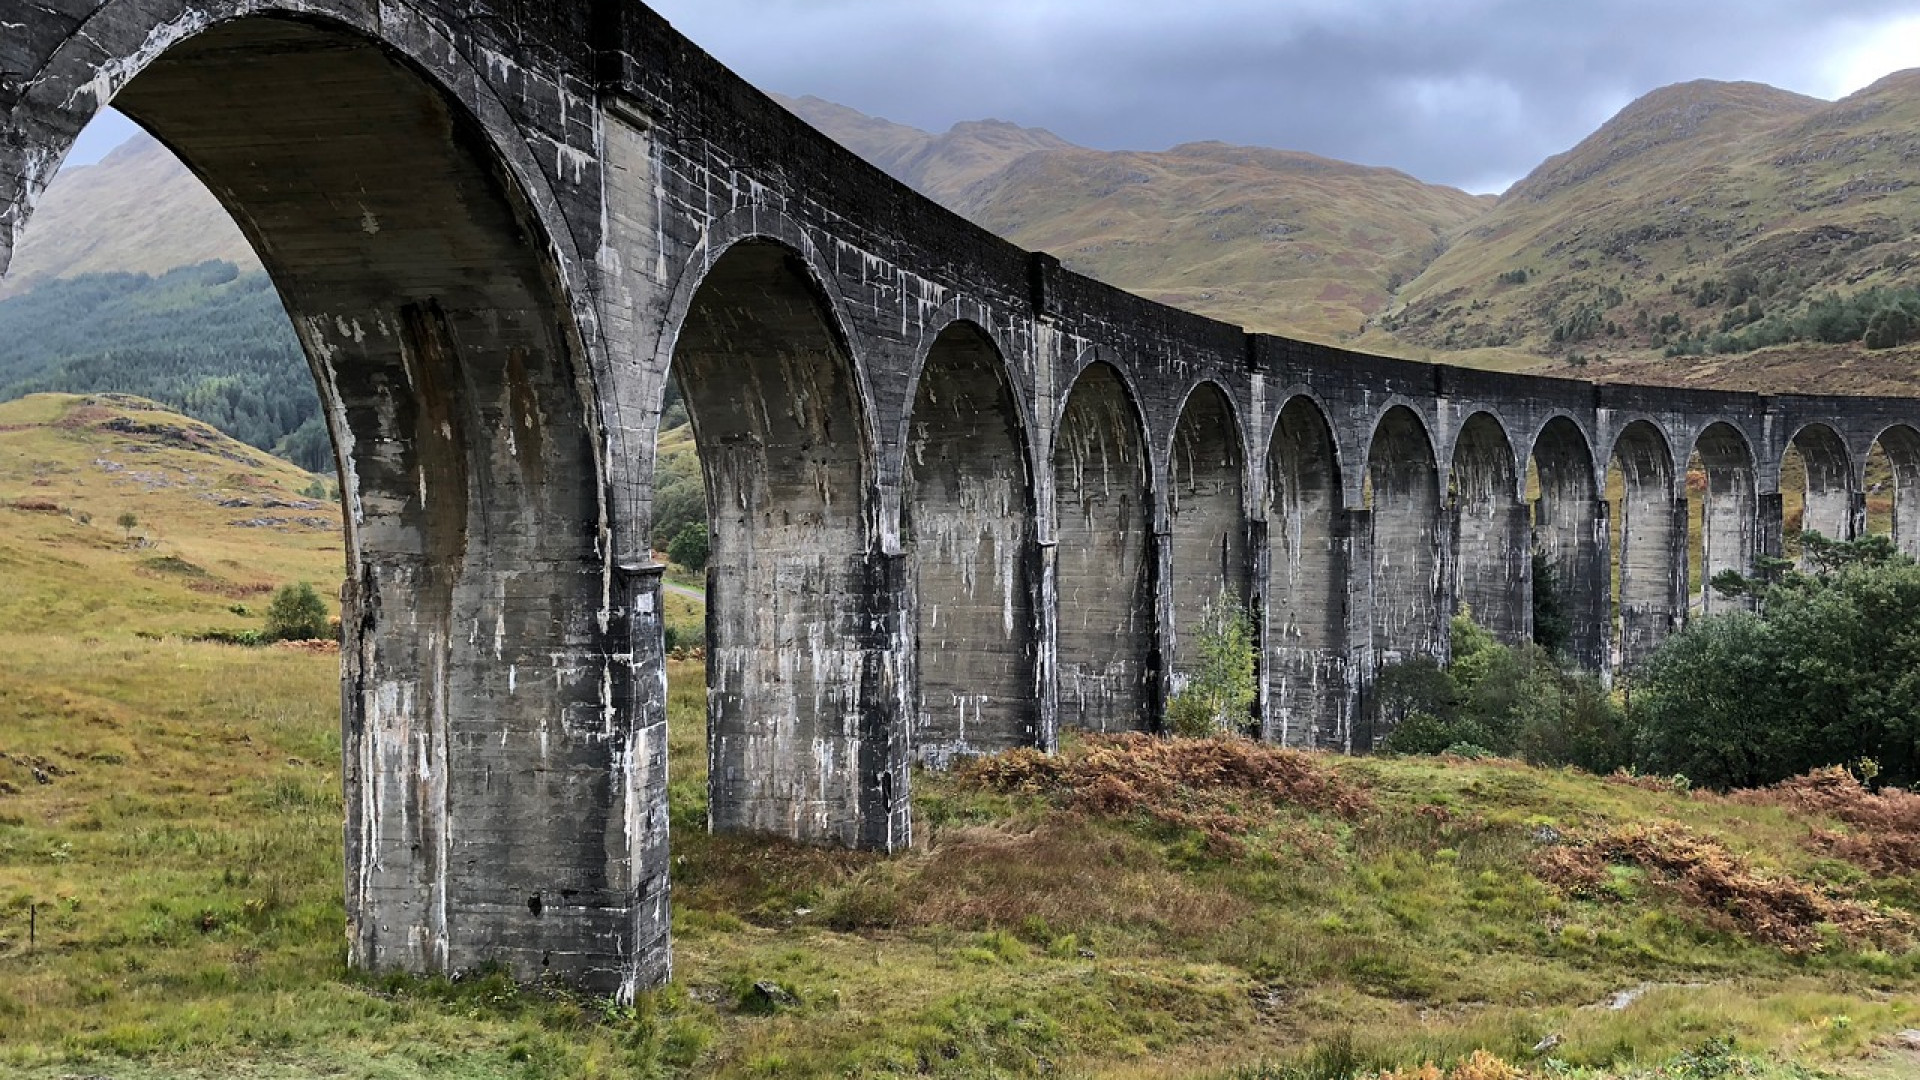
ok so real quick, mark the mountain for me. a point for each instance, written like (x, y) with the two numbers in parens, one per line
(137, 210)
(1704, 222)
(1274, 240)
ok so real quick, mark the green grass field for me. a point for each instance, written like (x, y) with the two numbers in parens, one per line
(170, 817)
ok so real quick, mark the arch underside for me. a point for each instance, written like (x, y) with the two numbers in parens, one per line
(1206, 501)
(968, 520)
(1653, 543)
(1492, 532)
(478, 665)
(1103, 584)
(1308, 670)
(1570, 528)
(1901, 445)
(1406, 546)
(1829, 504)
(1730, 509)
(792, 639)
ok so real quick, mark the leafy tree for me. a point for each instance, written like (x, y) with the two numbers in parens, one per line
(128, 522)
(1825, 671)
(1218, 696)
(296, 614)
(1552, 626)
(689, 548)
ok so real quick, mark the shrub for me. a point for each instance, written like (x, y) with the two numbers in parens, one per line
(689, 548)
(297, 614)
(1218, 696)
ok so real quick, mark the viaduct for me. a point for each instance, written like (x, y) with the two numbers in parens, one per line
(962, 498)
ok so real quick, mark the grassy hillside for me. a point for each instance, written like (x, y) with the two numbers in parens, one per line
(138, 211)
(170, 811)
(1708, 220)
(1278, 241)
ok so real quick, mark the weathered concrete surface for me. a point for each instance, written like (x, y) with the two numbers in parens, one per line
(961, 496)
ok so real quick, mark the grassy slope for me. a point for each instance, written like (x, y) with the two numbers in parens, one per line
(139, 209)
(1690, 183)
(1275, 240)
(184, 856)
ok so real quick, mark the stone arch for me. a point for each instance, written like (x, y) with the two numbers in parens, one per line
(1207, 517)
(1829, 505)
(1308, 559)
(1406, 539)
(1492, 541)
(426, 270)
(968, 526)
(1570, 533)
(1652, 548)
(769, 380)
(1901, 444)
(1730, 507)
(1103, 576)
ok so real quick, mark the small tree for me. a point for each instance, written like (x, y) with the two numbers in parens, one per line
(689, 546)
(1218, 697)
(128, 522)
(296, 614)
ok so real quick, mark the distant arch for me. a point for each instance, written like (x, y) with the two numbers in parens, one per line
(1309, 679)
(1569, 533)
(968, 527)
(1730, 507)
(1207, 518)
(1492, 542)
(1103, 578)
(1829, 505)
(1406, 539)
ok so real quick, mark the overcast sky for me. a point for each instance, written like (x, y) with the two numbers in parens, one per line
(1466, 92)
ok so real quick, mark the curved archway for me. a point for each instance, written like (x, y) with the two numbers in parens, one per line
(1103, 579)
(1308, 559)
(1406, 588)
(968, 522)
(769, 385)
(1729, 505)
(1651, 545)
(1207, 518)
(1901, 445)
(431, 302)
(1829, 505)
(1570, 535)
(1492, 541)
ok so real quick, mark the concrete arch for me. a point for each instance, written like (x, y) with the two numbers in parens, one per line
(1365, 437)
(968, 526)
(435, 296)
(1103, 581)
(770, 388)
(1652, 581)
(1831, 505)
(1407, 540)
(1004, 348)
(1206, 517)
(1492, 530)
(1730, 503)
(1901, 444)
(1570, 533)
(1309, 557)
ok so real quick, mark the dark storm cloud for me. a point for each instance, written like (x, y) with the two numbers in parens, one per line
(1472, 92)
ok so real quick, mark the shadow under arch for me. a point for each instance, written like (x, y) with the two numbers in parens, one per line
(1901, 445)
(430, 293)
(1492, 542)
(1570, 534)
(1405, 593)
(968, 527)
(1206, 519)
(1829, 505)
(795, 638)
(1103, 571)
(1730, 508)
(1309, 683)
(1652, 550)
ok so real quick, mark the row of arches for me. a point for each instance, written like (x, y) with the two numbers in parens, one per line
(1011, 634)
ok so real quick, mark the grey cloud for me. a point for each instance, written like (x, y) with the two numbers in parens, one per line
(1473, 92)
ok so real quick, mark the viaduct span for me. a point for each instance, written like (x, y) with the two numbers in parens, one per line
(961, 498)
